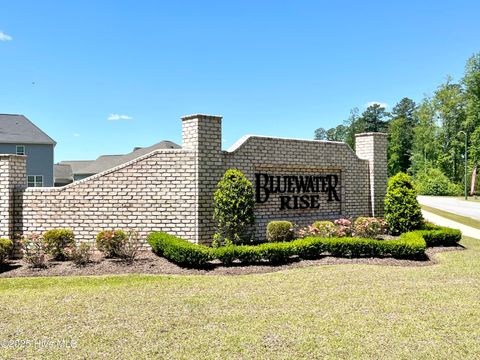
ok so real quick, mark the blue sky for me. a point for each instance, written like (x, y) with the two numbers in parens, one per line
(269, 67)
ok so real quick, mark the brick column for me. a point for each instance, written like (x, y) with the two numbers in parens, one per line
(203, 135)
(373, 147)
(13, 174)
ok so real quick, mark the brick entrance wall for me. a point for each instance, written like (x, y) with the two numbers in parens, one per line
(172, 190)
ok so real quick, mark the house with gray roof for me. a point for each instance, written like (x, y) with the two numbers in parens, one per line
(18, 135)
(69, 171)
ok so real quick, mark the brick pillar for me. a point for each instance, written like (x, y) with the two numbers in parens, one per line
(373, 147)
(13, 174)
(203, 135)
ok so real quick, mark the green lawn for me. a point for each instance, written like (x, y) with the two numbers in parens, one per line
(454, 217)
(340, 311)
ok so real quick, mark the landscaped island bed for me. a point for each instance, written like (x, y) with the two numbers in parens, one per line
(349, 310)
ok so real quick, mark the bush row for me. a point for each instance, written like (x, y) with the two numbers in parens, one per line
(408, 246)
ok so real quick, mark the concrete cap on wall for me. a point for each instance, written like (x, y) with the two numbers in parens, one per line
(371, 134)
(202, 117)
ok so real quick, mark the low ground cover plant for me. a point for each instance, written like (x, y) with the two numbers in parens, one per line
(57, 241)
(6, 247)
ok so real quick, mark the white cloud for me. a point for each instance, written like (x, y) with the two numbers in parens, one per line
(384, 105)
(115, 117)
(76, 135)
(5, 37)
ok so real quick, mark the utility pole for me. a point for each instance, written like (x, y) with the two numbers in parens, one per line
(465, 158)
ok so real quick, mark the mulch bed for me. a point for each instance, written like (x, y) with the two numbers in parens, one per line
(149, 263)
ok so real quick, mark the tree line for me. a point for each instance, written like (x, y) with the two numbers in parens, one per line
(425, 137)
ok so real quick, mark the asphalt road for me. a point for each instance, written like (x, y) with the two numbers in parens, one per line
(461, 207)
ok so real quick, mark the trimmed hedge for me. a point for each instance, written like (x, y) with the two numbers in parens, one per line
(180, 251)
(280, 231)
(410, 245)
(6, 246)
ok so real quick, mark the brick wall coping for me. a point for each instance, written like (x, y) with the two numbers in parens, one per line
(9, 156)
(371, 134)
(244, 139)
(202, 117)
(106, 172)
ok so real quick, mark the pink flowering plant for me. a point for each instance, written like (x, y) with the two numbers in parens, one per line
(344, 228)
(308, 231)
(34, 250)
(369, 227)
(325, 228)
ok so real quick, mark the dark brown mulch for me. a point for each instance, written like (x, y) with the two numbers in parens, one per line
(149, 263)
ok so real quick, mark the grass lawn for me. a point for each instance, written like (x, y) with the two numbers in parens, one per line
(341, 311)
(465, 220)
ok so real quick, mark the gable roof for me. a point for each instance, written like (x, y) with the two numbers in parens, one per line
(76, 165)
(62, 173)
(106, 162)
(18, 129)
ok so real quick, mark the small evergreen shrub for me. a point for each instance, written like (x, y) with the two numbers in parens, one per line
(234, 205)
(440, 236)
(402, 210)
(57, 241)
(325, 228)
(109, 241)
(280, 231)
(34, 250)
(6, 247)
(368, 227)
(80, 254)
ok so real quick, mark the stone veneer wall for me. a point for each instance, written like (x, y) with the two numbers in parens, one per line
(301, 157)
(153, 193)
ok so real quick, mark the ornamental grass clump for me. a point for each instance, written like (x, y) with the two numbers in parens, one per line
(234, 206)
(402, 210)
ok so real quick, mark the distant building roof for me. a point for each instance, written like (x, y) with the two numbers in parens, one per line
(62, 173)
(105, 162)
(18, 129)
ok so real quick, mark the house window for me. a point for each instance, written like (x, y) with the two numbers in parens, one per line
(35, 180)
(20, 150)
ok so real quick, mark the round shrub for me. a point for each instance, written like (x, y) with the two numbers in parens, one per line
(325, 228)
(6, 247)
(280, 231)
(234, 205)
(402, 210)
(368, 227)
(110, 241)
(57, 241)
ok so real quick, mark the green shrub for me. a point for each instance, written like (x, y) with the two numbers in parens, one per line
(180, 251)
(325, 228)
(128, 248)
(57, 241)
(6, 246)
(280, 231)
(109, 241)
(276, 253)
(34, 250)
(441, 237)
(402, 210)
(234, 205)
(248, 254)
(80, 254)
(368, 227)
(434, 182)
